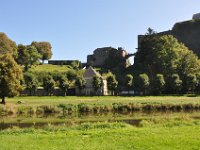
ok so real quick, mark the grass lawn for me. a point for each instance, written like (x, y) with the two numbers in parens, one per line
(56, 105)
(103, 136)
(50, 68)
(155, 132)
(107, 100)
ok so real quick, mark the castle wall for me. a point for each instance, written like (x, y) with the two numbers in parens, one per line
(196, 16)
(187, 32)
(101, 55)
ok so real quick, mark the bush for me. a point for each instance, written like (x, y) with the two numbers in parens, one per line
(83, 107)
(25, 110)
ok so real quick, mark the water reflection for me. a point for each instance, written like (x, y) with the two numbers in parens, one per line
(133, 118)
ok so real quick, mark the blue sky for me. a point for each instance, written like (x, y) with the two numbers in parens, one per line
(76, 27)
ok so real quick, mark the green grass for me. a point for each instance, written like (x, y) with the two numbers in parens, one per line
(100, 136)
(50, 68)
(44, 105)
(54, 100)
(168, 131)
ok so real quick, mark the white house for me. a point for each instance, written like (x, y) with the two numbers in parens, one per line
(89, 74)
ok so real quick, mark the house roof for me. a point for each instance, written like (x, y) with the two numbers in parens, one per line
(90, 72)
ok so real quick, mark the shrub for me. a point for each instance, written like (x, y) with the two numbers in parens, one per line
(83, 107)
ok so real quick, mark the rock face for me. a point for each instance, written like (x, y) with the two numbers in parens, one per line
(187, 32)
(196, 16)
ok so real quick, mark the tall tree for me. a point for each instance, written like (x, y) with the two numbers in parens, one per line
(176, 84)
(191, 82)
(143, 82)
(23, 56)
(7, 45)
(31, 83)
(64, 84)
(159, 84)
(198, 84)
(10, 77)
(97, 83)
(188, 68)
(49, 84)
(44, 48)
(129, 81)
(150, 31)
(28, 56)
(112, 83)
(80, 83)
(34, 56)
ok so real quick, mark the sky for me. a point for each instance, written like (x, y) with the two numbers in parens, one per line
(75, 28)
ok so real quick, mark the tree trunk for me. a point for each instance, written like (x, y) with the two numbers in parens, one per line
(65, 93)
(3, 101)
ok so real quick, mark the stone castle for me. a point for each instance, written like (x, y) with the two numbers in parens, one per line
(187, 32)
(196, 16)
(103, 56)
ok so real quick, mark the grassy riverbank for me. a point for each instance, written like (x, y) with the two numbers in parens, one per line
(167, 135)
(159, 130)
(66, 105)
(54, 100)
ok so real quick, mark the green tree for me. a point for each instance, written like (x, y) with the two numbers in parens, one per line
(97, 83)
(31, 83)
(188, 68)
(159, 84)
(198, 84)
(129, 81)
(64, 84)
(191, 82)
(150, 31)
(49, 84)
(10, 77)
(71, 74)
(80, 83)
(33, 57)
(165, 55)
(112, 83)
(28, 56)
(176, 83)
(143, 82)
(75, 64)
(7, 45)
(23, 56)
(44, 48)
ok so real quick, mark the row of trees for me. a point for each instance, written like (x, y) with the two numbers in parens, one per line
(65, 81)
(143, 85)
(112, 83)
(49, 82)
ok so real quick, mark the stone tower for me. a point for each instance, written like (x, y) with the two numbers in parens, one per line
(196, 16)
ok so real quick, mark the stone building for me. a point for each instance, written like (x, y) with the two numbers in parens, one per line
(187, 32)
(101, 57)
(89, 74)
(196, 16)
